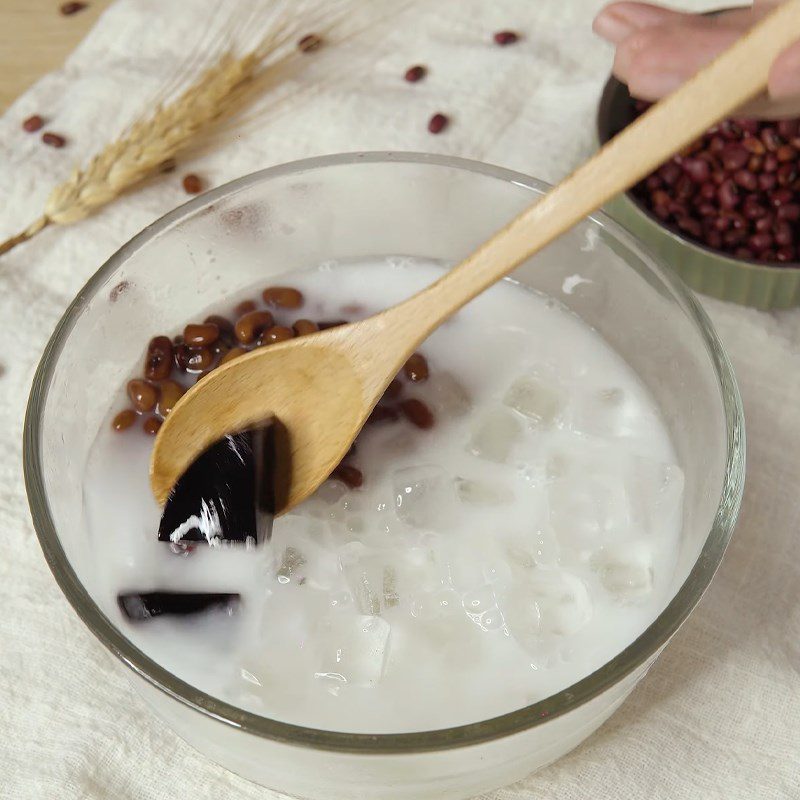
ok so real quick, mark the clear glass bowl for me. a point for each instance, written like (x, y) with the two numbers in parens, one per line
(363, 205)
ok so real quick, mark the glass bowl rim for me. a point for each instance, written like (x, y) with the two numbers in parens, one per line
(645, 647)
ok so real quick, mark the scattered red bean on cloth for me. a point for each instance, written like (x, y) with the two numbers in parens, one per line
(437, 123)
(192, 184)
(53, 139)
(415, 73)
(72, 8)
(736, 189)
(33, 124)
(505, 37)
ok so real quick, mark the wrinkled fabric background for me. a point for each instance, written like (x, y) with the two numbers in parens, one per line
(719, 714)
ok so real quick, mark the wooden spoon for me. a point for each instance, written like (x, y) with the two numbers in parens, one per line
(324, 386)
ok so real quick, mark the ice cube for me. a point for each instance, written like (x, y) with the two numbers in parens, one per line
(495, 435)
(424, 497)
(291, 563)
(480, 606)
(655, 491)
(481, 493)
(587, 510)
(551, 603)
(604, 413)
(447, 396)
(542, 402)
(538, 548)
(433, 605)
(391, 596)
(626, 571)
(353, 650)
(363, 571)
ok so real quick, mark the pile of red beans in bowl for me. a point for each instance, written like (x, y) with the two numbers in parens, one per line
(736, 189)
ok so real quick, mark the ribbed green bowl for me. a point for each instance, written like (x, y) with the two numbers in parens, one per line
(707, 271)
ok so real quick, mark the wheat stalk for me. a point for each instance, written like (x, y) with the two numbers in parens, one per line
(150, 142)
(219, 92)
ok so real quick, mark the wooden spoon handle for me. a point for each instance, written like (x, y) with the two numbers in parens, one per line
(732, 79)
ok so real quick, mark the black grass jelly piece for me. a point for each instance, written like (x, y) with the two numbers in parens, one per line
(231, 493)
(139, 607)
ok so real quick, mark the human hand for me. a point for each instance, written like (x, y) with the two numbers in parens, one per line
(657, 49)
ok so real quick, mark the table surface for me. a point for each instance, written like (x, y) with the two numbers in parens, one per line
(36, 38)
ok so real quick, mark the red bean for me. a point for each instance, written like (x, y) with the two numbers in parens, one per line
(251, 325)
(708, 191)
(789, 212)
(743, 252)
(437, 123)
(169, 394)
(770, 138)
(706, 209)
(783, 233)
(765, 223)
(67, 9)
(760, 242)
(781, 196)
(697, 169)
(33, 124)
(245, 307)
(234, 352)
(785, 254)
(788, 128)
(189, 359)
(416, 368)
(766, 181)
(766, 256)
(734, 156)
(158, 361)
(770, 163)
(277, 333)
(415, 73)
(754, 145)
(192, 184)
(786, 174)
(143, 395)
(504, 38)
(684, 188)
(302, 327)
(124, 420)
(716, 145)
(713, 239)
(690, 226)
(348, 474)
(151, 425)
(201, 335)
(669, 173)
(283, 297)
(732, 237)
(728, 195)
(53, 139)
(417, 413)
(746, 179)
(786, 153)
(753, 210)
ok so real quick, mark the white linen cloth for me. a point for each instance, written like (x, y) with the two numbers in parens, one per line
(719, 714)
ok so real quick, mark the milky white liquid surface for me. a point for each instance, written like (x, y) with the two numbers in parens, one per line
(484, 565)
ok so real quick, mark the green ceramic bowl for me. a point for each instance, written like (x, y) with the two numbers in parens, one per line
(705, 270)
